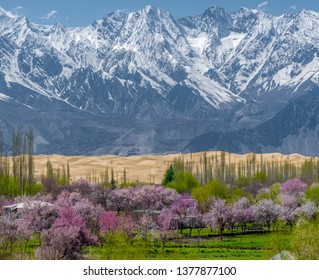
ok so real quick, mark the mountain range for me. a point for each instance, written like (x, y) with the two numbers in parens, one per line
(146, 82)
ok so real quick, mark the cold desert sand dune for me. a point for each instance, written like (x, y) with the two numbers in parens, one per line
(144, 168)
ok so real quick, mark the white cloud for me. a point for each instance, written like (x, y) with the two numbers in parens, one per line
(293, 7)
(49, 15)
(262, 5)
(15, 11)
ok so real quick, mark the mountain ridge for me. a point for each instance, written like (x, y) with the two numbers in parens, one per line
(220, 71)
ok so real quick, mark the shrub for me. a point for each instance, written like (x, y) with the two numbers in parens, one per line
(305, 243)
(183, 182)
(312, 194)
(212, 190)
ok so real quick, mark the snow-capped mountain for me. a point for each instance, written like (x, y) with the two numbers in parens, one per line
(130, 73)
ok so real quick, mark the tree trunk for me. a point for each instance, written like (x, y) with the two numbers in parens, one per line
(221, 233)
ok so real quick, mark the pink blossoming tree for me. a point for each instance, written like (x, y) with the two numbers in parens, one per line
(218, 216)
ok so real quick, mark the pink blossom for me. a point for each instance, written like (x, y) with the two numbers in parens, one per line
(293, 186)
(66, 238)
(242, 212)
(218, 216)
(109, 221)
(267, 211)
(307, 210)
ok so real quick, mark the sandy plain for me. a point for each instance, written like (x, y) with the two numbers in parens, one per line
(142, 168)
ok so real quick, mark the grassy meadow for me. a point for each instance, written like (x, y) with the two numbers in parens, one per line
(254, 246)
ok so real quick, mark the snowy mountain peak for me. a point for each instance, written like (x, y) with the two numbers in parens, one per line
(149, 9)
(216, 16)
(214, 12)
(307, 12)
(153, 13)
(58, 26)
(247, 11)
(5, 18)
(154, 10)
(309, 15)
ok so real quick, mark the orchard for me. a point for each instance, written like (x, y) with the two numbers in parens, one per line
(90, 221)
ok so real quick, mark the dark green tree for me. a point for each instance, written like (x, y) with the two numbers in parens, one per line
(168, 176)
(113, 183)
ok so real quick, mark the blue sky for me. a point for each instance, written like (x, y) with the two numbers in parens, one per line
(84, 12)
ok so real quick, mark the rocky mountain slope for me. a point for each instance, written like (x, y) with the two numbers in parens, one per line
(145, 82)
(295, 129)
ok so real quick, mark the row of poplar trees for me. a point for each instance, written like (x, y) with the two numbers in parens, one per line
(17, 165)
(221, 166)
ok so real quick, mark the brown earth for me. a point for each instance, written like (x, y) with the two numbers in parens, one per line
(144, 168)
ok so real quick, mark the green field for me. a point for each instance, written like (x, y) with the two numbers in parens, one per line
(254, 246)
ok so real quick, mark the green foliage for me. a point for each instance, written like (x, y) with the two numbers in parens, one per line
(242, 182)
(9, 187)
(217, 189)
(16, 172)
(305, 242)
(63, 179)
(248, 173)
(128, 184)
(183, 182)
(117, 246)
(260, 177)
(202, 197)
(309, 170)
(238, 193)
(36, 189)
(263, 195)
(312, 194)
(168, 176)
(274, 192)
(280, 241)
(236, 247)
(178, 164)
(54, 177)
(50, 172)
(212, 190)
